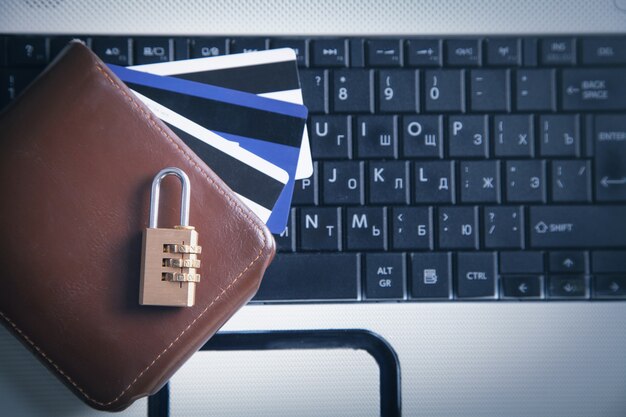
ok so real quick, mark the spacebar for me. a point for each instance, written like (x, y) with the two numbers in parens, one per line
(311, 276)
(577, 226)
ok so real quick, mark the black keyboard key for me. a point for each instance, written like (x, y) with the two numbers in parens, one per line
(377, 137)
(525, 287)
(306, 190)
(431, 275)
(398, 91)
(331, 137)
(610, 153)
(181, 48)
(153, 50)
(423, 53)
(569, 262)
(490, 90)
(423, 136)
(526, 262)
(27, 51)
(476, 275)
(434, 182)
(608, 262)
(514, 135)
(577, 226)
(504, 52)
(535, 89)
(609, 286)
(389, 182)
(463, 52)
(530, 52)
(444, 90)
(384, 53)
(299, 46)
(568, 287)
(4, 91)
(559, 135)
(412, 228)
(458, 228)
(503, 227)
(604, 51)
(558, 51)
(320, 229)
(3, 51)
(314, 276)
(366, 228)
(480, 182)
(468, 136)
(357, 53)
(353, 91)
(342, 183)
(330, 53)
(286, 240)
(314, 84)
(58, 43)
(385, 276)
(207, 47)
(593, 89)
(243, 45)
(112, 50)
(525, 181)
(13, 81)
(571, 181)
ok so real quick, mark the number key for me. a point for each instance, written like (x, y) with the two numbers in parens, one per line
(445, 90)
(398, 91)
(352, 91)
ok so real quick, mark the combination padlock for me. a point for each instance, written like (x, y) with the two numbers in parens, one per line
(170, 256)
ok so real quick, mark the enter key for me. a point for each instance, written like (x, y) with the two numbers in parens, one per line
(610, 157)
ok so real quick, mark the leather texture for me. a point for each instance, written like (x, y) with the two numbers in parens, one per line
(77, 156)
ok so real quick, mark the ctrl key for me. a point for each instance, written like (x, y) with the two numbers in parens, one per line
(476, 275)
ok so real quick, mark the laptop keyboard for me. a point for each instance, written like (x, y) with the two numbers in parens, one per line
(445, 169)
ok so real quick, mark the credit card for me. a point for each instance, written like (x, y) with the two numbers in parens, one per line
(272, 73)
(274, 127)
(257, 182)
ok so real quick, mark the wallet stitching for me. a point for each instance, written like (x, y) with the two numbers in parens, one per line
(232, 202)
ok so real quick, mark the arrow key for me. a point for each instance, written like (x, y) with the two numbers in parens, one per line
(522, 287)
(568, 287)
(609, 286)
(569, 262)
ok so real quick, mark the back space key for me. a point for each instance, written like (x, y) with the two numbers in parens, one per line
(577, 226)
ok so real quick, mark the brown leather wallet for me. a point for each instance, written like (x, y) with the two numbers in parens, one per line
(77, 156)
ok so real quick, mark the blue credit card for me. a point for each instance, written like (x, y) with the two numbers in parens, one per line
(271, 127)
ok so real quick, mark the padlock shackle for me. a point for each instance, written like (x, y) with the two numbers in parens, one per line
(184, 196)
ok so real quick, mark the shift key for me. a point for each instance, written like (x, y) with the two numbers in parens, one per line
(577, 226)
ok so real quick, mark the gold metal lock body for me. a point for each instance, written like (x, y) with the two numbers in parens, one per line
(170, 256)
